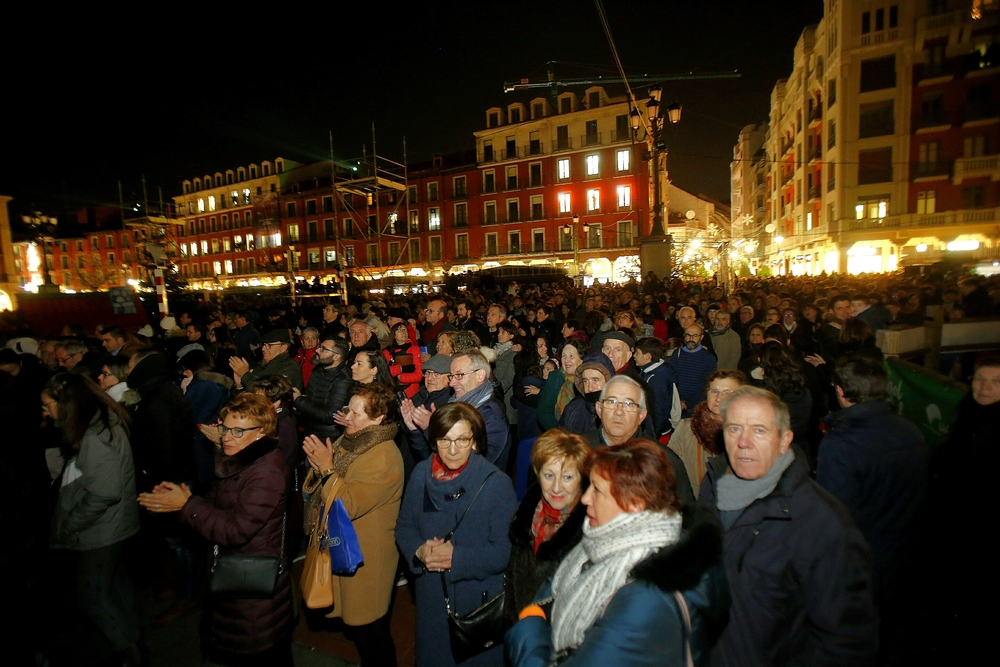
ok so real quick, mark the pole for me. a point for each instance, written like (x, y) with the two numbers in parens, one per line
(161, 292)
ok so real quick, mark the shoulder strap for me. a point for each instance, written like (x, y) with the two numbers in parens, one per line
(686, 615)
(459, 523)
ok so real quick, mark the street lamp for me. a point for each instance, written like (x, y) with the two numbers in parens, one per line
(574, 229)
(655, 251)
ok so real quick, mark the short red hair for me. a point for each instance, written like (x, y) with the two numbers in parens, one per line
(638, 470)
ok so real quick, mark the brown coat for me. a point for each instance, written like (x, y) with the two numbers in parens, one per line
(371, 492)
(243, 514)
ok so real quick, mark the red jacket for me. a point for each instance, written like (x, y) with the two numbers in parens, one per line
(408, 375)
(304, 359)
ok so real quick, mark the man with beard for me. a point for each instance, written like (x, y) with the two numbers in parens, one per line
(687, 316)
(436, 323)
(692, 364)
(466, 320)
(728, 345)
(329, 390)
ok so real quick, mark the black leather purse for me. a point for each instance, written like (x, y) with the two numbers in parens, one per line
(242, 576)
(481, 629)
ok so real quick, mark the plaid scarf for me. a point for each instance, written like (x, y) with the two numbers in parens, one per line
(546, 521)
(441, 472)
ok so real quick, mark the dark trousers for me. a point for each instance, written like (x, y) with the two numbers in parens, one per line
(104, 593)
(374, 642)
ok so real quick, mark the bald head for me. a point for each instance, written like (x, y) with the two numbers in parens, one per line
(692, 336)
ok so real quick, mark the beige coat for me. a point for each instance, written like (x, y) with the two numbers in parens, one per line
(685, 445)
(371, 492)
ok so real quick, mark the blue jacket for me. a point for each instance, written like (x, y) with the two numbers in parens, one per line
(431, 509)
(800, 578)
(876, 463)
(642, 625)
(661, 379)
(691, 370)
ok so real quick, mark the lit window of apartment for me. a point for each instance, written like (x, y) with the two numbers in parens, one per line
(624, 196)
(246, 195)
(218, 267)
(624, 159)
(211, 202)
(194, 249)
(594, 200)
(565, 202)
(927, 201)
(293, 233)
(229, 266)
(872, 208)
(201, 205)
(215, 246)
(227, 245)
(593, 165)
(204, 247)
(434, 219)
(414, 221)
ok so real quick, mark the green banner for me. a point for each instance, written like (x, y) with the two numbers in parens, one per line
(928, 402)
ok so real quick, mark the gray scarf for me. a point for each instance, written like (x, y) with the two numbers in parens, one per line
(733, 493)
(611, 550)
(477, 396)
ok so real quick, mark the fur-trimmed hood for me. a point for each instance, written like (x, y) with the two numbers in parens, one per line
(217, 378)
(681, 566)
(227, 466)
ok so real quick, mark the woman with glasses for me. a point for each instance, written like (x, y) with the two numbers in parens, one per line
(363, 469)
(95, 512)
(112, 379)
(698, 439)
(245, 513)
(456, 483)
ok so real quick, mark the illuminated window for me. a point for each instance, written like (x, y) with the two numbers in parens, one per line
(927, 201)
(563, 166)
(194, 249)
(236, 197)
(414, 221)
(593, 165)
(809, 221)
(565, 205)
(624, 158)
(201, 205)
(218, 267)
(204, 247)
(624, 196)
(293, 234)
(211, 202)
(594, 200)
(246, 195)
(434, 219)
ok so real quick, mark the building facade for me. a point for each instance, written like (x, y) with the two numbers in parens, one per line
(880, 149)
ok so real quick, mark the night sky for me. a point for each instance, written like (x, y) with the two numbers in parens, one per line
(171, 96)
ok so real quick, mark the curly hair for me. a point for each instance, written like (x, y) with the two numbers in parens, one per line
(380, 400)
(784, 372)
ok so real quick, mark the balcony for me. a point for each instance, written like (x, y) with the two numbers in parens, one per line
(816, 152)
(486, 219)
(512, 184)
(940, 168)
(786, 145)
(511, 153)
(974, 167)
(461, 223)
(536, 181)
(460, 193)
(816, 115)
(621, 136)
(590, 140)
(488, 155)
(564, 144)
(974, 112)
(932, 119)
(787, 178)
(533, 148)
(919, 222)
(548, 247)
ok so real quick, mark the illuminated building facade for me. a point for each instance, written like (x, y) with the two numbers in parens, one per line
(881, 148)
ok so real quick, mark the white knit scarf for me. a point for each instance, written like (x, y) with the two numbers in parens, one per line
(609, 553)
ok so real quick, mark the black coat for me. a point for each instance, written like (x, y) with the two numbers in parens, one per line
(528, 570)
(684, 492)
(876, 463)
(329, 390)
(800, 578)
(163, 426)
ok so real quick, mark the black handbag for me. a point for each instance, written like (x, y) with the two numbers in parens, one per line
(242, 576)
(481, 629)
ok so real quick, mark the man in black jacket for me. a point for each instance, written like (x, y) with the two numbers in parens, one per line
(799, 570)
(329, 390)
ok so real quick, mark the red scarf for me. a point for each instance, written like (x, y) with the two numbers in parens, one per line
(546, 522)
(441, 472)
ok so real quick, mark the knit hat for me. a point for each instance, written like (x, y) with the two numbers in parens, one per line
(146, 331)
(596, 361)
(439, 363)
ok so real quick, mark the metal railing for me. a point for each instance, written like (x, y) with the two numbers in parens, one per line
(936, 168)
(564, 144)
(590, 140)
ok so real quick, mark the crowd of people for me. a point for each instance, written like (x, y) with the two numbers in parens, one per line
(655, 473)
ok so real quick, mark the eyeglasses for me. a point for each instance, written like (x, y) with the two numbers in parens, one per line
(459, 376)
(433, 374)
(331, 350)
(627, 405)
(461, 442)
(719, 392)
(236, 431)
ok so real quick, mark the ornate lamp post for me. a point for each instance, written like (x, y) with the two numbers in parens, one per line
(654, 249)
